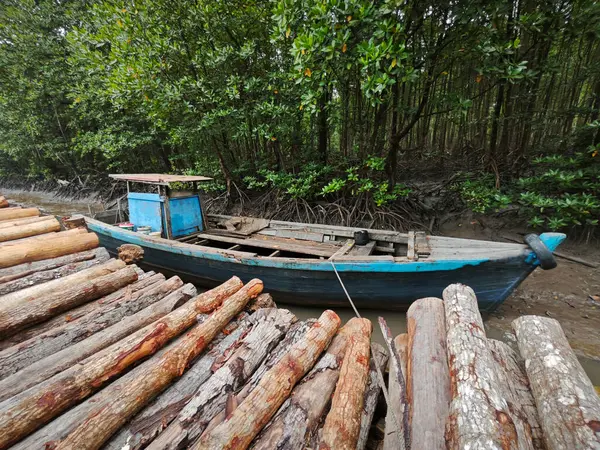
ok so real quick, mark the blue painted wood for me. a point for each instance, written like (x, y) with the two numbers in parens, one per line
(145, 210)
(186, 215)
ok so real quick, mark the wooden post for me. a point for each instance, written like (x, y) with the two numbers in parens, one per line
(398, 410)
(18, 213)
(27, 230)
(568, 406)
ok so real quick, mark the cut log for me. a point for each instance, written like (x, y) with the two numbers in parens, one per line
(296, 421)
(27, 411)
(51, 365)
(25, 221)
(130, 253)
(42, 237)
(3, 202)
(23, 270)
(568, 406)
(245, 422)
(262, 301)
(20, 356)
(102, 422)
(270, 325)
(28, 230)
(515, 386)
(18, 213)
(19, 316)
(479, 415)
(379, 358)
(427, 376)
(26, 252)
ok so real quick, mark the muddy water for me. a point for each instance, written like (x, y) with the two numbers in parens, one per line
(566, 276)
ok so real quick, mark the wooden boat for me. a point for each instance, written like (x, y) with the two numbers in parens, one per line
(298, 261)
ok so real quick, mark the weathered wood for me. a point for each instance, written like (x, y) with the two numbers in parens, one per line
(19, 316)
(568, 406)
(74, 222)
(3, 202)
(130, 253)
(51, 365)
(398, 410)
(427, 376)
(23, 270)
(27, 230)
(28, 352)
(348, 245)
(245, 422)
(18, 213)
(410, 252)
(36, 251)
(264, 300)
(270, 325)
(379, 358)
(103, 421)
(516, 391)
(27, 411)
(25, 221)
(479, 415)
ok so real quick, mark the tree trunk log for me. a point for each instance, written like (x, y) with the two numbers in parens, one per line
(517, 393)
(26, 252)
(262, 301)
(51, 365)
(23, 270)
(28, 230)
(42, 237)
(27, 411)
(479, 415)
(269, 326)
(19, 316)
(3, 202)
(296, 421)
(18, 213)
(245, 422)
(568, 406)
(25, 221)
(102, 422)
(130, 293)
(427, 376)
(379, 358)
(398, 410)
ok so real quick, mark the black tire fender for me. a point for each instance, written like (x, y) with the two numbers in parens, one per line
(543, 253)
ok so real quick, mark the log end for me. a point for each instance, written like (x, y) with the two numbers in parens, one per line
(130, 253)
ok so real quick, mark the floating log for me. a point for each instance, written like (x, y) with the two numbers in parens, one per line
(427, 376)
(22, 355)
(130, 253)
(18, 213)
(25, 221)
(25, 412)
(568, 405)
(23, 270)
(51, 365)
(28, 230)
(398, 410)
(256, 410)
(379, 358)
(479, 414)
(27, 252)
(101, 423)
(3, 202)
(17, 317)
(269, 326)
(515, 386)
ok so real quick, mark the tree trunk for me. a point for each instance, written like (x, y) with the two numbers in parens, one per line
(17, 213)
(24, 221)
(27, 411)
(427, 376)
(42, 237)
(398, 409)
(36, 251)
(28, 230)
(49, 366)
(342, 425)
(269, 327)
(264, 300)
(568, 406)
(245, 422)
(100, 424)
(323, 128)
(479, 414)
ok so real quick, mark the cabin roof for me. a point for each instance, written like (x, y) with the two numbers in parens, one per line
(158, 178)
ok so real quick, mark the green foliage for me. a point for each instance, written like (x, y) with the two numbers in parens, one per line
(481, 196)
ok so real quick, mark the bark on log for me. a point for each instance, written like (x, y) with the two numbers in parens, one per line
(102, 422)
(568, 406)
(479, 415)
(20, 356)
(26, 252)
(296, 421)
(264, 300)
(3, 202)
(23, 270)
(516, 391)
(27, 411)
(28, 230)
(427, 375)
(19, 316)
(130, 253)
(270, 325)
(245, 422)
(51, 365)
(18, 213)
(379, 358)
(25, 221)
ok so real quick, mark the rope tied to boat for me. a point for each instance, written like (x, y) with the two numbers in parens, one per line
(386, 396)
